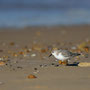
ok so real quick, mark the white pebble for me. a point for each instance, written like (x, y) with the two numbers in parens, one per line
(33, 55)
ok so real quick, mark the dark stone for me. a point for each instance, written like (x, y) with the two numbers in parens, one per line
(35, 69)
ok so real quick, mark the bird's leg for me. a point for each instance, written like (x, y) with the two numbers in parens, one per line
(60, 62)
(65, 62)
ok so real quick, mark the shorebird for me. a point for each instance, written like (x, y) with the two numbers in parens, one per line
(63, 55)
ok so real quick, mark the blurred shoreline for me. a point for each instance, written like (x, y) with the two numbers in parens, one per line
(36, 28)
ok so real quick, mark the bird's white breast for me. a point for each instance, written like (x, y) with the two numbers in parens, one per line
(60, 57)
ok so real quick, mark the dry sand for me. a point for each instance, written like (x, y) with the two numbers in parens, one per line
(27, 54)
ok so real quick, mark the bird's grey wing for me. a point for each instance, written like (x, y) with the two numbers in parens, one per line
(58, 52)
(66, 53)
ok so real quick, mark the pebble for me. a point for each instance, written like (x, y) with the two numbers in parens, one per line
(19, 67)
(35, 69)
(73, 47)
(31, 76)
(45, 65)
(2, 63)
(33, 55)
(41, 65)
(52, 64)
(36, 72)
(56, 65)
(84, 64)
(1, 59)
(1, 50)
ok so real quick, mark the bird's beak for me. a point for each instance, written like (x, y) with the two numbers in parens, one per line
(50, 55)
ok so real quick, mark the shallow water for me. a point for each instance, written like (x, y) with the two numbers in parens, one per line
(23, 13)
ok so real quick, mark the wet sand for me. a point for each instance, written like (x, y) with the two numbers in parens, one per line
(26, 51)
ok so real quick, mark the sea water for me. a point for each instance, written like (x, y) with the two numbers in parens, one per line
(24, 13)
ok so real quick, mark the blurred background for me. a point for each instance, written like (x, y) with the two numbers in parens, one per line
(25, 13)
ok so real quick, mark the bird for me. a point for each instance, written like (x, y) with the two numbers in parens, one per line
(63, 55)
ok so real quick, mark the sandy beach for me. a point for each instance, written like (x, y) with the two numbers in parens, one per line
(24, 52)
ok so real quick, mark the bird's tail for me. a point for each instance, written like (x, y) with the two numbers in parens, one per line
(76, 54)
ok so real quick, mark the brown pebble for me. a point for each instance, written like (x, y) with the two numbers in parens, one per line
(44, 50)
(86, 49)
(31, 76)
(21, 53)
(35, 68)
(19, 67)
(1, 50)
(12, 43)
(2, 63)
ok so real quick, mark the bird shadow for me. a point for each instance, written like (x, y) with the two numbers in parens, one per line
(73, 64)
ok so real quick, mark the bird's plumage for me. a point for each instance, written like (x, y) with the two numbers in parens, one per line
(63, 54)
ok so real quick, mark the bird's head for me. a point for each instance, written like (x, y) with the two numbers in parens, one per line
(53, 53)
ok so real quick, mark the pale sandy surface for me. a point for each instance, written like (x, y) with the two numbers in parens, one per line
(13, 75)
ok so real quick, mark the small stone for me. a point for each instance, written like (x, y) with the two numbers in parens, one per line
(25, 55)
(84, 64)
(21, 53)
(56, 65)
(1, 50)
(6, 64)
(1, 59)
(31, 76)
(73, 47)
(41, 65)
(52, 64)
(86, 49)
(33, 55)
(2, 63)
(19, 67)
(14, 54)
(36, 47)
(44, 50)
(36, 72)
(35, 69)
(12, 43)
(45, 65)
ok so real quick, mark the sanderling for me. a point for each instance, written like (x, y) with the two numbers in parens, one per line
(63, 55)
